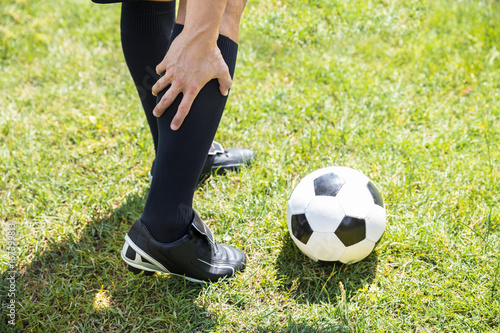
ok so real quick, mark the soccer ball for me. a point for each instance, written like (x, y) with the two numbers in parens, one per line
(336, 214)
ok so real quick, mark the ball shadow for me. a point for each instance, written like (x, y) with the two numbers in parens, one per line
(319, 282)
(82, 285)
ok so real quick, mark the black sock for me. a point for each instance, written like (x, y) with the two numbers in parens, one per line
(182, 154)
(146, 28)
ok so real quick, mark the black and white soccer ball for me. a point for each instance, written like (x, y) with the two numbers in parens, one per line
(336, 214)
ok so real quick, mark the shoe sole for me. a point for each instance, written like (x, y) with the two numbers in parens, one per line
(151, 265)
(222, 169)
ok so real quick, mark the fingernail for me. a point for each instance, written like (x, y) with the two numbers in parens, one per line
(174, 127)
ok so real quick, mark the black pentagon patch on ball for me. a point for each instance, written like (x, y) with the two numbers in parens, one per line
(351, 230)
(301, 228)
(377, 197)
(328, 185)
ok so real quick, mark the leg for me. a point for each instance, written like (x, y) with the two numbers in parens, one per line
(181, 154)
(168, 220)
(146, 28)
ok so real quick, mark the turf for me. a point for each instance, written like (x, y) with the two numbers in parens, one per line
(406, 91)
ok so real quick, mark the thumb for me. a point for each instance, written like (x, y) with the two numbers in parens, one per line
(225, 82)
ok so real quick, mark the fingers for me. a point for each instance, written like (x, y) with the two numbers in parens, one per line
(162, 83)
(225, 82)
(185, 105)
(188, 74)
(166, 100)
(161, 67)
(182, 111)
(189, 95)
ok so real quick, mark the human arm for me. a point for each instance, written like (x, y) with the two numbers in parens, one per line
(193, 58)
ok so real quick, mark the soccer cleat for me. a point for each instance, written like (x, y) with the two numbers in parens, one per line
(220, 160)
(196, 256)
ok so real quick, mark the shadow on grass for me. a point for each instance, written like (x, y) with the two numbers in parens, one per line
(312, 282)
(82, 285)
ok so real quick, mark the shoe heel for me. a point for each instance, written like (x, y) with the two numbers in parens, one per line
(132, 255)
(138, 271)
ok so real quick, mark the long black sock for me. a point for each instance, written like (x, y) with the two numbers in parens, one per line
(146, 28)
(182, 154)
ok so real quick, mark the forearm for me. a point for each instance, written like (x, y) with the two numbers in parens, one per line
(202, 19)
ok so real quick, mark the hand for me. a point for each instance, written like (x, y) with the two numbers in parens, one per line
(190, 63)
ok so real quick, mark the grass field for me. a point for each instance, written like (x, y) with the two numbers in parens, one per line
(406, 91)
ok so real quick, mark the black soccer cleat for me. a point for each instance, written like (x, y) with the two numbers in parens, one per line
(137, 271)
(196, 256)
(220, 160)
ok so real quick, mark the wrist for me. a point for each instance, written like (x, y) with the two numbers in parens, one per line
(201, 34)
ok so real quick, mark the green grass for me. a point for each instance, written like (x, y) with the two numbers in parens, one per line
(406, 91)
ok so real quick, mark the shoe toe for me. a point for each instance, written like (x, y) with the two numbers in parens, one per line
(231, 160)
(226, 262)
(235, 256)
(240, 155)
